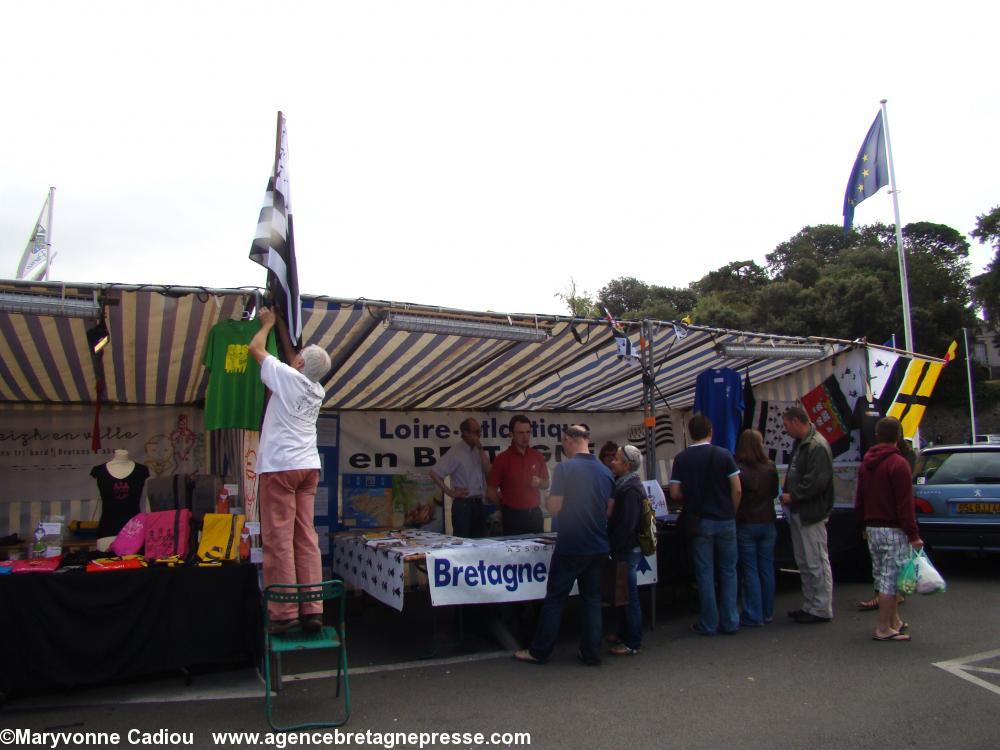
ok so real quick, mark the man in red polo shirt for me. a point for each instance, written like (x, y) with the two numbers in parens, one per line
(516, 478)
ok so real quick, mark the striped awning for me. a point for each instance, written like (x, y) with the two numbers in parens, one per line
(158, 334)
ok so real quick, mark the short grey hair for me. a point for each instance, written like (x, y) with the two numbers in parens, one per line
(634, 457)
(316, 362)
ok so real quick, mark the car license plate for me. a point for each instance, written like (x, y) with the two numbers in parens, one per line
(985, 508)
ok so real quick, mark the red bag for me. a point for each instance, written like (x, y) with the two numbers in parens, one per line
(36, 565)
(168, 533)
(130, 539)
(132, 562)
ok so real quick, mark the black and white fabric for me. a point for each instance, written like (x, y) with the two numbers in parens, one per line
(274, 244)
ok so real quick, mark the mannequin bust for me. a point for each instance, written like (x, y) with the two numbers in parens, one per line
(120, 483)
(121, 465)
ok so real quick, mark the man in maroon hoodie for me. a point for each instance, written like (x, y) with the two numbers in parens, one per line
(884, 504)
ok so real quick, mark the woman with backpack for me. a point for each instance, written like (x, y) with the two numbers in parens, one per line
(623, 523)
(755, 530)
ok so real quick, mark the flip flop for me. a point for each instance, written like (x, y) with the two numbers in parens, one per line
(867, 605)
(525, 656)
(904, 627)
(622, 650)
(892, 637)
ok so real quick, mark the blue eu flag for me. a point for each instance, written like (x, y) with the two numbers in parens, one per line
(871, 171)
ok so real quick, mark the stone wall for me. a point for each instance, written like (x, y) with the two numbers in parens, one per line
(950, 424)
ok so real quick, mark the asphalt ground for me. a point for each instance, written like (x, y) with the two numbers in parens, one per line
(785, 685)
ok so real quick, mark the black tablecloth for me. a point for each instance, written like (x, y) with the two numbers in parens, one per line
(76, 628)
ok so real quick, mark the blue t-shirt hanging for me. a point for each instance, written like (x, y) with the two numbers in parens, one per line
(718, 394)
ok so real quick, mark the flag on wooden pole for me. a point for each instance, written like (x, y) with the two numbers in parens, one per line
(274, 244)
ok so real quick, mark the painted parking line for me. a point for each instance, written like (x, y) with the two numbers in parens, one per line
(970, 667)
(242, 684)
(422, 664)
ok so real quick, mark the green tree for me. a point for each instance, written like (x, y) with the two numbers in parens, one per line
(579, 303)
(624, 297)
(986, 286)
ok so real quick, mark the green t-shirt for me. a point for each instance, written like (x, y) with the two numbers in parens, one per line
(235, 395)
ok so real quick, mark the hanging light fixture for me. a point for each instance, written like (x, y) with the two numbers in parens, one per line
(98, 336)
(457, 327)
(768, 351)
(41, 304)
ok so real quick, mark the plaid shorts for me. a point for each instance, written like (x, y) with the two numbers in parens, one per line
(889, 549)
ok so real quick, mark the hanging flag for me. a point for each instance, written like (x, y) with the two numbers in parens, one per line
(35, 259)
(915, 394)
(274, 244)
(622, 341)
(870, 172)
(617, 329)
(768, 420)
(952, 352)
(827, 408)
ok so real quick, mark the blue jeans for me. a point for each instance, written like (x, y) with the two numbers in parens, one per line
(630, 626)
(713, 550)
(586, 570)
(756, 542)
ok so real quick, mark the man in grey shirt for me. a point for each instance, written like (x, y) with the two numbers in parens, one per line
(467, 463)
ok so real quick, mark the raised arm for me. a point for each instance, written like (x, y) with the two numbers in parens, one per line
(258, 344)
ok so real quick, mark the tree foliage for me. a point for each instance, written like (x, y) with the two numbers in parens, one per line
(986, 286)
(822, 282)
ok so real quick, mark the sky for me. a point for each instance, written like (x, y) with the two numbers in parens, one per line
(481, 155)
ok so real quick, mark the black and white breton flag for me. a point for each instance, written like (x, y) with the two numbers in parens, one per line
(274, 244)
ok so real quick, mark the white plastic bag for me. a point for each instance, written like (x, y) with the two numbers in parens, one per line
(929, 581)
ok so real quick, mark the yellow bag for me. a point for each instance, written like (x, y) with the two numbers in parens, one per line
(220, 537)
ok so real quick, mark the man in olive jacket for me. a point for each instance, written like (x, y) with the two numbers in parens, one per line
(808, 501)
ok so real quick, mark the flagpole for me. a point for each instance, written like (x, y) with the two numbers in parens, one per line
(968, 372)
(903, 278)
(904, 282)
(48, 235)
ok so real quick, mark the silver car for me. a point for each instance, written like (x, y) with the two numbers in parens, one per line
(957, 495)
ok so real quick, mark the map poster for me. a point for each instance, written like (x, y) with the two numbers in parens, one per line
(408, 500)
(367, 500)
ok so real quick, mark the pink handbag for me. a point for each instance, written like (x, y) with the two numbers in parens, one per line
(168, 533)
(130, 539)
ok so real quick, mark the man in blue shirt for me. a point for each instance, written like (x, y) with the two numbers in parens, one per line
(705, 477)
(581, 488)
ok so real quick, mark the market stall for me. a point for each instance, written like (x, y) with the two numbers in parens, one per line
(403, 378)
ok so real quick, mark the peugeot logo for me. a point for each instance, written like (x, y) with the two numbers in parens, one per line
(977, 493)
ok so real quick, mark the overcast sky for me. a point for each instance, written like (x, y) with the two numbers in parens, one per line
(478, 155)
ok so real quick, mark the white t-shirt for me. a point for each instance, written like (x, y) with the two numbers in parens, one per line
(288, 436)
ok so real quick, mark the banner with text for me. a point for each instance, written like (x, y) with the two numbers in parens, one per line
(386, 457)
(45, 451)
(499, 572)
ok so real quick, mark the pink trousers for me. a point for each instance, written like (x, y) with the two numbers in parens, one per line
(291, 547)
